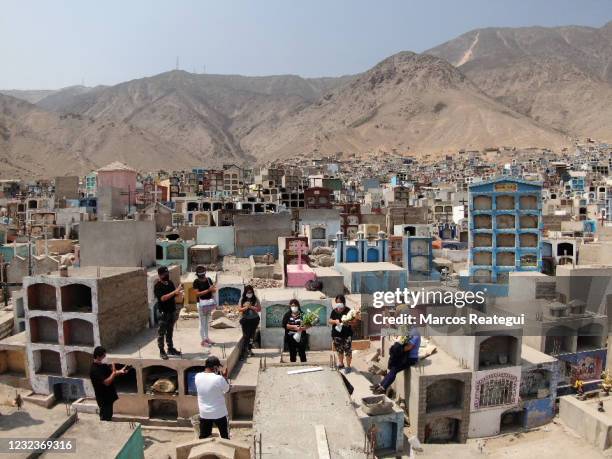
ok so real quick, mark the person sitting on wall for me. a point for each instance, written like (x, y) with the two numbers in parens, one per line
(203, 288)
(102, 377)
(403, 354)
(166, 294)
(295, 334)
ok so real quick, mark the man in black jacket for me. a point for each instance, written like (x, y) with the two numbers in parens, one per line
(166, 292)
(102, 377)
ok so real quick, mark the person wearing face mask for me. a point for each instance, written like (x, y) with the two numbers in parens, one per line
(292, 323)
(342, 333)
(249, 308)
(212, 385)
(166, 294)
(203, 289)
(102, 377)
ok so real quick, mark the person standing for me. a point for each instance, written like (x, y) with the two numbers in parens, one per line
(102, 377)
(295, 334)
(342, 333)
(204, 288)
(250, 309)
(166, 294)
(212, 385)
(403, 354)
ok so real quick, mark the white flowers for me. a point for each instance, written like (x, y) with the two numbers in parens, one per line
(349, 316)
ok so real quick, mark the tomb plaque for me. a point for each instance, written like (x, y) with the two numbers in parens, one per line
(441, 430)
(274, 315)
(201, 219)
(229, 295)
(505, 187)
(175, 252)
(318, 233)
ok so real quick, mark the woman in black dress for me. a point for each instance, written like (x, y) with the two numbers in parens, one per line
(295, 333)
(249, 320)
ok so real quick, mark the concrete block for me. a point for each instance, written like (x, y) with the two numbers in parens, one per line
(583, 417)
(332, 280)
(222, 236)
(117, 243)
(372, 277)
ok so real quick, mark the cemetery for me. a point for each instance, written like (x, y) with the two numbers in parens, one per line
(479, 382)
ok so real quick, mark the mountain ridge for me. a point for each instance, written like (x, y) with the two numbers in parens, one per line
(521, 87)
(560, 76)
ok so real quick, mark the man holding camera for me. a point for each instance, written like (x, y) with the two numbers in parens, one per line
(166, 294)
(212, 385)
(102, 375)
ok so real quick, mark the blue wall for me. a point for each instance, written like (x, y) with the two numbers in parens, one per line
(516, 188)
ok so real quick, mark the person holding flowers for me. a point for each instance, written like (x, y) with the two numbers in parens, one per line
(295, 331)
(341, 319)
(249, 309)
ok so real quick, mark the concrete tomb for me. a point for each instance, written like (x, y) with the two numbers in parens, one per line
(299, 274)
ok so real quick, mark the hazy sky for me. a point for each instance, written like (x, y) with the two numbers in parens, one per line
(56, 43)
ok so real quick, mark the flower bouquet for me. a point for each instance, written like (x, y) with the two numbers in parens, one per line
(347, 319)
(309, 319)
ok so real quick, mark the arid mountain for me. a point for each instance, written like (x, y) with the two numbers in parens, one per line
(61, 97)
(410, 102)
(32, 96)
(202, 116)
(38, 143)
(561, 76)
(172, 120)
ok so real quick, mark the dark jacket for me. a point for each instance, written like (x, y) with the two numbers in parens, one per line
(167, 307)
(287, 319)
(398, 357)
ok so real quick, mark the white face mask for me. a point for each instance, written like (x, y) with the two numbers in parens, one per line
(339, 306)
(294, 309)
(104, 360)
(249, 295)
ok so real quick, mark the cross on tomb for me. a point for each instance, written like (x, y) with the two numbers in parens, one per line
(300, 248)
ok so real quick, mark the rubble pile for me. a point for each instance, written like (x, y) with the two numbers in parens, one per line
(257, 282)
(322, 260)
(231, 311)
